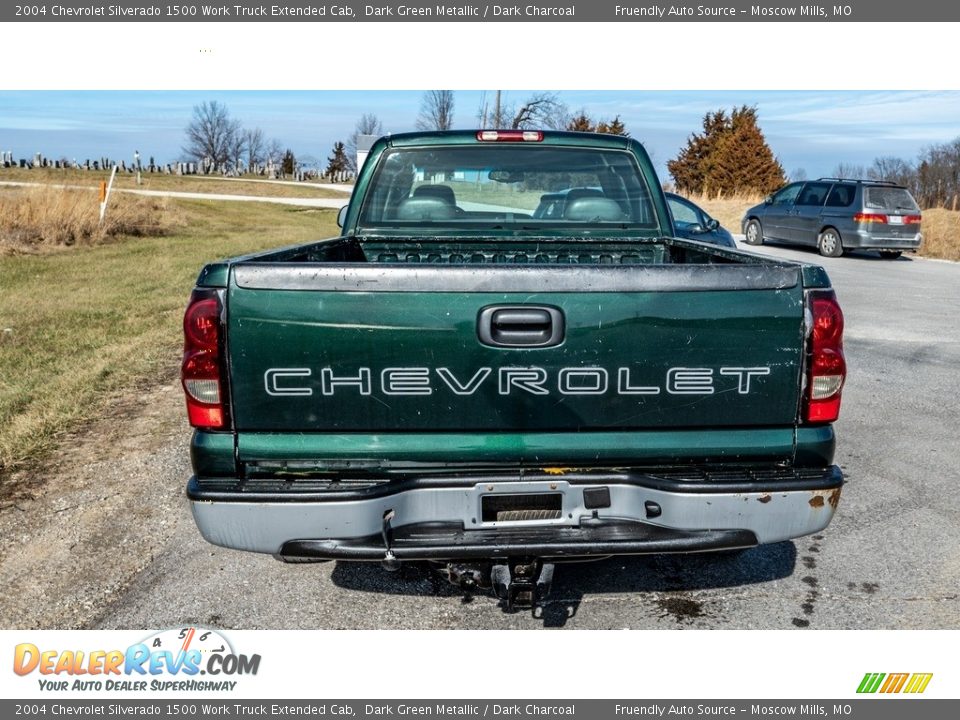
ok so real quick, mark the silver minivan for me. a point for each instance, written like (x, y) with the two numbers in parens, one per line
(834, 215)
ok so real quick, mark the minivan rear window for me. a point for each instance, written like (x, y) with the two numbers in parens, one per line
(889, 198)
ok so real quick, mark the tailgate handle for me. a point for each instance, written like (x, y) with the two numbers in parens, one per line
(520, 326)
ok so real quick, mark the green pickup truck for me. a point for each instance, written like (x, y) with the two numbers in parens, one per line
(482, 375)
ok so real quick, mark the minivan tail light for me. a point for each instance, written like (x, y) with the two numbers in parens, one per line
(870, 218)
(826, 366)
(201, 371)
(912, 219)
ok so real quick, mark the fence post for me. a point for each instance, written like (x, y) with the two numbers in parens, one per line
(105, 193)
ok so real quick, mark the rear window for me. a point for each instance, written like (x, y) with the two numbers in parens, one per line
(889, 198)
(507, 185)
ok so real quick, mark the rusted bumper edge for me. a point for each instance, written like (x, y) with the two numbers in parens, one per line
(440, 517)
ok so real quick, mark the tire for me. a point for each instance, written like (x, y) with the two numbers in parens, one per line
(890, 254)
(753, 235)
(829, 243)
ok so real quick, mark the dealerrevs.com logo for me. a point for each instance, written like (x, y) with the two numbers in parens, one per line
(169, 660)
(910, 683)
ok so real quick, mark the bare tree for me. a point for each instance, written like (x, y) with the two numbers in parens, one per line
(368, 124)
(273, 155)
(255, 145)
(274, 151)
(542, 110)
(849, 171)
(937, 182)
(212, 133)
(436, 110)
(798, 175)
(238, 149)
(891, 169)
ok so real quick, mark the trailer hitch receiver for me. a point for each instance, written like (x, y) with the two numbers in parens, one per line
(522, 583)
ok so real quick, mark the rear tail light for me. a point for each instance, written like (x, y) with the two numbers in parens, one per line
(870, 218)
(201, 371)
(826, 366)
(912, 219)
(509, 135)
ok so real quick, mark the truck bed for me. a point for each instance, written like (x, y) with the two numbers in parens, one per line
(500, 251)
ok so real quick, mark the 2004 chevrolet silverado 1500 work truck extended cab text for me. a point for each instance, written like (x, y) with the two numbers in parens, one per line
(472, 375)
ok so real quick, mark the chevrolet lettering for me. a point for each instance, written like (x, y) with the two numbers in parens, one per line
(569, 381)
(505, 361)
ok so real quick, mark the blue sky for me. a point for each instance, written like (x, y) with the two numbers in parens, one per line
(812, 130)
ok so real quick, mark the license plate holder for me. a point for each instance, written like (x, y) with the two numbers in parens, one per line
(521, 507)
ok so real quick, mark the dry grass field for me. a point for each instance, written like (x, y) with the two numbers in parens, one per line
(177, 183)
(42, 219)
(941, 234)
(728, 210)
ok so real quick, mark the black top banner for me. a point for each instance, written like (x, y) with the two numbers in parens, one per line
(481, 11)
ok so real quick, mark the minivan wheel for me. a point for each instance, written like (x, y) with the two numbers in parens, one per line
(754, 233)
(890, 254)
(829, 243)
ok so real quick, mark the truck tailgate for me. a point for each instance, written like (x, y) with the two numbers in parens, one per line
(368, 349)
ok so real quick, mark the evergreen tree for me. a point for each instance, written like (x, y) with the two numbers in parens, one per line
(288, 164)
(581, 123)
(689, 167)
(338, 161)
(614, 127)
(730, 156)
(744, 162)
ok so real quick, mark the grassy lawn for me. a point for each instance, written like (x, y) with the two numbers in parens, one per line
(155, 181)
(494, 193)
(83, 324)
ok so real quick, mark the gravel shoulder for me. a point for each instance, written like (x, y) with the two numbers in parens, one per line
(81, 530)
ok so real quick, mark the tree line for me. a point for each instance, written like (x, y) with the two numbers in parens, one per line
(728, 156)
(543, 110)
(219, 141)
(933, 177)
